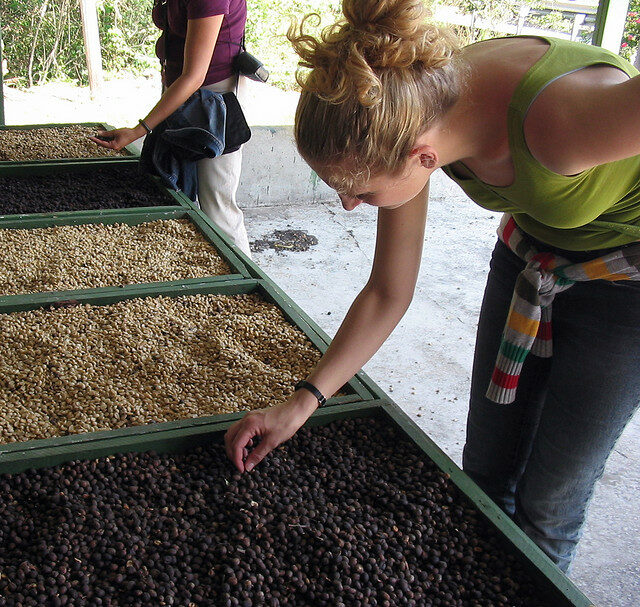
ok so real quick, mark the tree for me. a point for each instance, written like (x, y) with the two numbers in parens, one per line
(43, 38)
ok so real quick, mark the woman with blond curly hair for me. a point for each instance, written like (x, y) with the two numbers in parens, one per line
(546, 131)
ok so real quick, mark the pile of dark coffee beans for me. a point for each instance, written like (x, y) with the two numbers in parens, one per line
(348, 514)
(117, 187)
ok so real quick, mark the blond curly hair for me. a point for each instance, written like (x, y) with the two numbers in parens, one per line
(371, 84)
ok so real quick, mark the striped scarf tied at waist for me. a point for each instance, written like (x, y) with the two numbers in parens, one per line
(528, 326)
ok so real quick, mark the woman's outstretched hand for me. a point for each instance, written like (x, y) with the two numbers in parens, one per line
(118, 138)
(273, 425)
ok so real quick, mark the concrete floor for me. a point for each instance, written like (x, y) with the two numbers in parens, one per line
(425, 365)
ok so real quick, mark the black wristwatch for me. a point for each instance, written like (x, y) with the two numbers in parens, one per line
(303, 383)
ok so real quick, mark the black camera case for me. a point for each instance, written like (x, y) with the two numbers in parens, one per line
(246, 64)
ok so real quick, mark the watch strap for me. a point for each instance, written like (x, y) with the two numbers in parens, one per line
(145, 126)
(303, 383)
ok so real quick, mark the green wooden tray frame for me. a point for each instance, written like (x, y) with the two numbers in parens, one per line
(554, 586)
(133, 151)
(357, 390)
(133, 216)
(166, 196)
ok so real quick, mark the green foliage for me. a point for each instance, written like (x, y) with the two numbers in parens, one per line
(492, 12)
(43, 38)
(267, 25)
(495, 14)
(631, 37)
(553, 20)
(127, 35)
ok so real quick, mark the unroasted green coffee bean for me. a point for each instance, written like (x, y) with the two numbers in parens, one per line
(70, 257)
(52, 143)
(139, 361)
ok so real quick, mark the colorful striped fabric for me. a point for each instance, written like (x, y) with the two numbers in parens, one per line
(528, 326)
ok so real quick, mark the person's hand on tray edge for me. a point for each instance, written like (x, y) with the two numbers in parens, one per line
(273, 425)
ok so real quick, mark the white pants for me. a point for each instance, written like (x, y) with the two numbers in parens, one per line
(218, 180)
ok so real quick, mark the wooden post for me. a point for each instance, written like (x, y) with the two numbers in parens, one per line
(610, 21)
(578, 20)
(523, 12)
(92, 44)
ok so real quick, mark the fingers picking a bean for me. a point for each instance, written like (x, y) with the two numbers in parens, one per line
(234, 447)
(257, 455)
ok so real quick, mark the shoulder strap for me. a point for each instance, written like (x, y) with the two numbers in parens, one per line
(624, 228)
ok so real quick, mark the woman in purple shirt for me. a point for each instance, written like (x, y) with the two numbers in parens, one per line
(199, 41)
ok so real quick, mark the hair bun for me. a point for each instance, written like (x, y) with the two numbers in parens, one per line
(374, 36)
(401, 18)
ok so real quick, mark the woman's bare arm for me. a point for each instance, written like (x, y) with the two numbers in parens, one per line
(371, 318)
(384, 299)
(587, 118)
(201, 38)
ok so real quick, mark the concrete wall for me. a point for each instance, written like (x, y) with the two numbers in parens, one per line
(273, 173)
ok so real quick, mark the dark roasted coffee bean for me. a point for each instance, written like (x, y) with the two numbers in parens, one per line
(345, 514)
(116, 187)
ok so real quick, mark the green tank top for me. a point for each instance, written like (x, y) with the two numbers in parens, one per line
(553, 208)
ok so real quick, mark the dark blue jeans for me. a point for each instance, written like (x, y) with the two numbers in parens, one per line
(540, 457)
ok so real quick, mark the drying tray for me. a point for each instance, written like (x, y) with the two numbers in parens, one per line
(131, 217)
(354, 390)
(554, 587)
(130, 150)
(166, 196)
